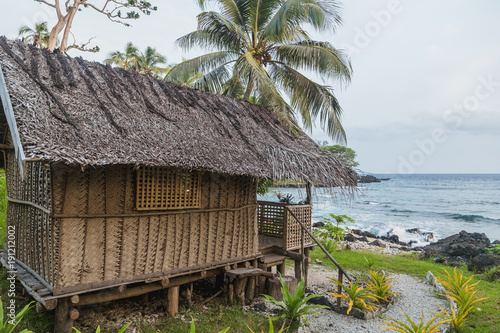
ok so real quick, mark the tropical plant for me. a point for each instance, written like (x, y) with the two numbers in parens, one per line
(494, 250)
(126, 60)
(38, 36)
(457, 319)
(335, 226)
(271, 327)
(98, 330)
(357, 296)
(369, 262)
(192, 328)
(460, 290)
(148, 62)
(259, 51)
(344, 154)
(11, 323)
(413, 327)
(294, 306)
(379, 285)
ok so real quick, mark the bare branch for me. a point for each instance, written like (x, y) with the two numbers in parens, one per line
(47, 3)
(83, 47)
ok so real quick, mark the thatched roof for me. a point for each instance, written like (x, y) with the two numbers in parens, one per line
(73, 111)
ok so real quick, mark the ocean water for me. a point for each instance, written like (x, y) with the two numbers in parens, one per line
(441, 204)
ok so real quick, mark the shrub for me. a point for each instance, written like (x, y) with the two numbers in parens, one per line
(460, 290)
(379, 285)
(294, 306)
(494, 250)
(357, 296)
(457, 319)
(335, 226)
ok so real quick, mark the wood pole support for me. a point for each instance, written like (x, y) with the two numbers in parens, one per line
(239, 289)
(230, 294)
(307, 260)
(173, 301)
(250, 293)
(75, 299)
(298, 270)
(281, 268)
(62, 320)
(74, 314)
(309, 193)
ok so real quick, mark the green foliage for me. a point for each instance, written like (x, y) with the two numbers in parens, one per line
(494, 250)
(193, 328)
(294, 306)
(344, 154)
(379, 285)
(335, 227)
(457, 319)
(98, 330)
(460, 290)
(369, 262)
(147, 62)
(38, 36)
(263, 186)
(357, 296)
(413, 327)
(9, 324)
(259, 50)
(271, 327)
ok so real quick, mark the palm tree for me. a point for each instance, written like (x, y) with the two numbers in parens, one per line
(39, 36)
(187, 80)
(147, 62)
(127, 60)
(259, 51)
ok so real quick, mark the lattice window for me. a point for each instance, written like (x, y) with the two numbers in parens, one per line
(167, 188)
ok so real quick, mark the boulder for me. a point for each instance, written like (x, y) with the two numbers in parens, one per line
(350, 238)
(357, 232)
(363, 239)
(483, 261)
(318, 224)
(463, 244)
(413, 231)
(369, 234)
(378, 243)
(394, 239)
(496, 242)
(323, 300)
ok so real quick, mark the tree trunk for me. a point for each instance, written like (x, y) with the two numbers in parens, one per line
(71, 16)
(249, 89)
(51, 45)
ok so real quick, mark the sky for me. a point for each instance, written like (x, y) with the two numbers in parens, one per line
(425, 94)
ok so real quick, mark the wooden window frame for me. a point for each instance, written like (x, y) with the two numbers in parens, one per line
(166, 188)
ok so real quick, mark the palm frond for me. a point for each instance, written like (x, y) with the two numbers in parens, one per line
(311, 99)
(320, 57)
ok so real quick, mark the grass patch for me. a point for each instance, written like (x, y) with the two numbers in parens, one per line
(484, 319)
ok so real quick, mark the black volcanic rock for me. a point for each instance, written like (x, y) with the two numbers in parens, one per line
(463, 244)
(483, 261)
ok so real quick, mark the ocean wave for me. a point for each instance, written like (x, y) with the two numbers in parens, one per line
(472, 218)
(402, 211)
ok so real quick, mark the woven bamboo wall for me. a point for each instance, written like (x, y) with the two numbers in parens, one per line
(35, 243)
(118, 246)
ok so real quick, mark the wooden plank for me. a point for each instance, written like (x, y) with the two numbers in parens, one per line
(11, 121)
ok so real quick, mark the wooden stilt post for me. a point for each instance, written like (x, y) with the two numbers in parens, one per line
(309, 193)
(306, 264)
(173, 301)
(239, 289)
(230, 294)
(298, 270)
(281, 268)
(250, 289)
(62, 321)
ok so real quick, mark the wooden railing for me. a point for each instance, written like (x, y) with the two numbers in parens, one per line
(275, 220)
(307, 230)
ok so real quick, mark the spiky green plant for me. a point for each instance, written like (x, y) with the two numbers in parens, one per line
(357, 296)
(413, 327)
(259, 51)
(461, 290)
(457, 319)
(98, 330)
(379, 285)
(294, 306)
(9, 324)
(271, 327)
